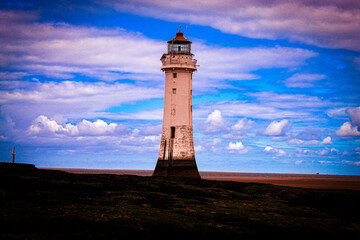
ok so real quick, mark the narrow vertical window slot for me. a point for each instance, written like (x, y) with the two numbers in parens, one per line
(172, 132)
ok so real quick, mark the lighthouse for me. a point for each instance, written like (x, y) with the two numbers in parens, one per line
(177, 156)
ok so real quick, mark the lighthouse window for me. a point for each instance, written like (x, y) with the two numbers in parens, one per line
(179, 48)
(174, 90)
(174, 75)
(172, 132)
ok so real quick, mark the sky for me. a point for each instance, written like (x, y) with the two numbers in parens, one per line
(277, 89)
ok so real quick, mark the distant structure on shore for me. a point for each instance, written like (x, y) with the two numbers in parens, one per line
(13, 153)
(177, 155)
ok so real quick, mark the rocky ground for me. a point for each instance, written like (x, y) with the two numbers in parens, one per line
(47, 204)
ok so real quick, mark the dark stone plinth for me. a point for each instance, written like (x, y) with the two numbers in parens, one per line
(178, 168)
(18, 167)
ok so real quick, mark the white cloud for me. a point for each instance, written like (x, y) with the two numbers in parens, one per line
(154, 139)
(303, 80)
(199, 148)
(214, 122)
(62, 51)
(286, 136)
(337, 112)
(328, 151)
(345, 153)
(319, 153)
(289, 101)
(238, 129)
(351, 128)
(251, 110)
(235, 146)
(97, 128)
(77, 92)
(312, 142)
(268, 148)
(88, 136)
(278, 152)
(76, 100)
(12, 75)
(152, 130)
(354, 114)
(296, 141)
(238, 63)
(348, 130)
(238, 147)
(242, 124)
(276, 128)
(214, 142)
(3, 138)
(326, 140)
(302, 151)
(156, 114)
(42, 125)
(233, 136)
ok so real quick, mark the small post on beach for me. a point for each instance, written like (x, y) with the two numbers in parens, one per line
(13, 153)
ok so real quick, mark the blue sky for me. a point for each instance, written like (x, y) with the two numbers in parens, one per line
(277, 89)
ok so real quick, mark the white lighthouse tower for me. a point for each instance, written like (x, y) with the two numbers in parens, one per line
(176, 155)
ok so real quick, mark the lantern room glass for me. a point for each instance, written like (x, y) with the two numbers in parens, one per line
(183, 48)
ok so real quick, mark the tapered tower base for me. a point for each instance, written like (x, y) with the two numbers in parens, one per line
(178, 168)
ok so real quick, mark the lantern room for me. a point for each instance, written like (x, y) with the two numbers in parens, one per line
(179, 45)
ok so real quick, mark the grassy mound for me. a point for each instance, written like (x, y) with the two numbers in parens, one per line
(44, 204)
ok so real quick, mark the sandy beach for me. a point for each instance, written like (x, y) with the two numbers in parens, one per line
(321, 181)
(326, 183)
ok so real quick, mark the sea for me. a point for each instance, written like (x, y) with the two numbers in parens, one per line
(206, 174)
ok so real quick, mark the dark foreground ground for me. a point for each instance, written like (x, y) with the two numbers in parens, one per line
(48, 204)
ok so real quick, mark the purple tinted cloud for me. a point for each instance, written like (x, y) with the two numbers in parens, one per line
(332, 24)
